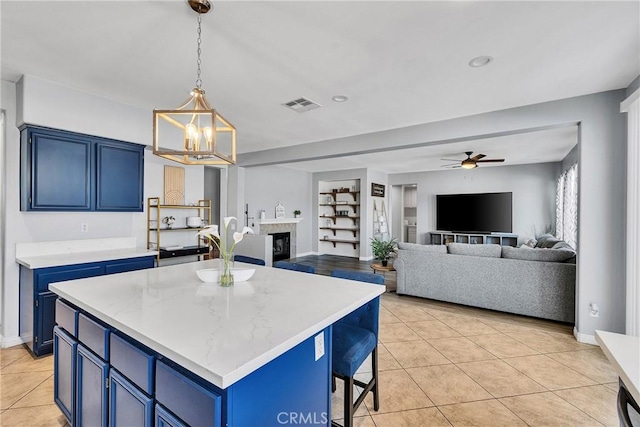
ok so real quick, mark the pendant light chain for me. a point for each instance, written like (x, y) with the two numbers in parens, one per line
(199, 80)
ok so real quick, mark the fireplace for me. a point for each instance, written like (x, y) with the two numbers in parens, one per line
(281, 246)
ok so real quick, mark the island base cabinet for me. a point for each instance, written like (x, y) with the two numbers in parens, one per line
(303, 391)
(92, 400)
(192, 402)
(128, 406)
(64, 373)
(164, 418)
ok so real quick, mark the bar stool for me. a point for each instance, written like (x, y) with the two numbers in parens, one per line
(355, 336)
(295, 267)
(249, 260)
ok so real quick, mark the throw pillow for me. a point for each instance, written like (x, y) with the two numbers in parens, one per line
(546, 241)
(442, 249)
(537, 254)
(530, 243)
(490, 251)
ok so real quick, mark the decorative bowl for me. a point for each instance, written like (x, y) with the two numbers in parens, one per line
(194, 221)
(210, 275)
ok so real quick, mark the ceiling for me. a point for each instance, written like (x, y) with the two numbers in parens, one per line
(400, 63)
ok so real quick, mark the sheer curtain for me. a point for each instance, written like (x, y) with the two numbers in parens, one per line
(567, 206)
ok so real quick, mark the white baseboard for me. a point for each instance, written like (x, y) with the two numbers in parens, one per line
(584, 338)
(10, 342)
(365, 258)
(306, 254)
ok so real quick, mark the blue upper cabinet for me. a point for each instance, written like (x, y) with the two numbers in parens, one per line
(66, 171)
(58, 171)
(120, 170)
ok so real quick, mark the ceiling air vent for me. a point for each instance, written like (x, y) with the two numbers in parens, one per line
(301, 105)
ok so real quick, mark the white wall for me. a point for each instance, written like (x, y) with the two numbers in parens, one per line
(533, 187)
(47, 104)
(265, 186)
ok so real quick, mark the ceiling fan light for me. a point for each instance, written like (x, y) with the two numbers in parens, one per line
(468, 165)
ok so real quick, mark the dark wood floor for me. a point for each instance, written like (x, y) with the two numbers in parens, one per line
(324, 264)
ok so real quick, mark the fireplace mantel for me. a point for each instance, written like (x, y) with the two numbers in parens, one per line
(278, 221)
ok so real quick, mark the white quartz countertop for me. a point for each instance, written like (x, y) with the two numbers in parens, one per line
(623, 351)
(221, 334)
(68, 252)
(54, 260)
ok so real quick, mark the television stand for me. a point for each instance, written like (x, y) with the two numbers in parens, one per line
(444, 237)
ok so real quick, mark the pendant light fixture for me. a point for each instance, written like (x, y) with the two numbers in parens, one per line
(194, 133)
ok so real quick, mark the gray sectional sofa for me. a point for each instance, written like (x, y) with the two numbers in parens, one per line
(538, 282)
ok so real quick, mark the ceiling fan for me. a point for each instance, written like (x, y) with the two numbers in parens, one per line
(470, 162)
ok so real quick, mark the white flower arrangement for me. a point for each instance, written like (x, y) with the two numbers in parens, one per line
(212, 234)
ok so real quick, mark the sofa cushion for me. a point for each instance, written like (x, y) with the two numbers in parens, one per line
(547, 241)
(537, 254)
(442, 249)
(491, 251)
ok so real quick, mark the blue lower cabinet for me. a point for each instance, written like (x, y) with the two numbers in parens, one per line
(164, 418)
(64, 373)
(46, 310)
(92, 398)
(190, 401)
(128, 406)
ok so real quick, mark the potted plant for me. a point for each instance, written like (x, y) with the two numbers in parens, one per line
(383, 249)
(296, 213)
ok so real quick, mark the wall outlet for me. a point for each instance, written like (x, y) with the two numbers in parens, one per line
(594, 310)
(319, 345)
(84, 227)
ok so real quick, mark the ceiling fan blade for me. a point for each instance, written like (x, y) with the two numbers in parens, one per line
(456, 166)
(491, 161)
(478, 157)
(450, 164)
(452, 160)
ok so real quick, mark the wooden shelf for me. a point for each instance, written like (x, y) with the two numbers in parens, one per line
(355, 243)
(181, 206)
(333, 194)
(334, 229)
(335, 217)
(335, 207)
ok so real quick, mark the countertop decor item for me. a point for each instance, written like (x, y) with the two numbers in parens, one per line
(213, 274)
(168, 220)
(220, 241)
(296, 213)
(202, 137)
(194, 221)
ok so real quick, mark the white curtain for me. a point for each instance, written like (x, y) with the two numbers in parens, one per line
(567, 206)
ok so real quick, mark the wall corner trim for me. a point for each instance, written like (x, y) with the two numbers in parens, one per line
(584, 338)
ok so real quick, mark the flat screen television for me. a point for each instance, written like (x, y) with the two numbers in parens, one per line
(474, 213)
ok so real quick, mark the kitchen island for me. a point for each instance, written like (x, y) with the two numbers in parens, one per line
(255, 354)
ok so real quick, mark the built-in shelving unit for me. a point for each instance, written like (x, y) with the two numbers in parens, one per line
(444, 237)
(155, 229)
(339, 217)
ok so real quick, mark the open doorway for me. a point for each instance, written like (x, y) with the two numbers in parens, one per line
(404, 212)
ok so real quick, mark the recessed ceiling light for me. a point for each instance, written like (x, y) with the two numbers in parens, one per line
(480, 61)
(340, 98)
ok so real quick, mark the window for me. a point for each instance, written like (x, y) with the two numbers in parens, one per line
(567, 206)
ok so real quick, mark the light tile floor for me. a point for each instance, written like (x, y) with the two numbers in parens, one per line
(444, 364)
(440, 365)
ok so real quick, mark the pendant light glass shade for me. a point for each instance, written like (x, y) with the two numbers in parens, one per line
(194, 133)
